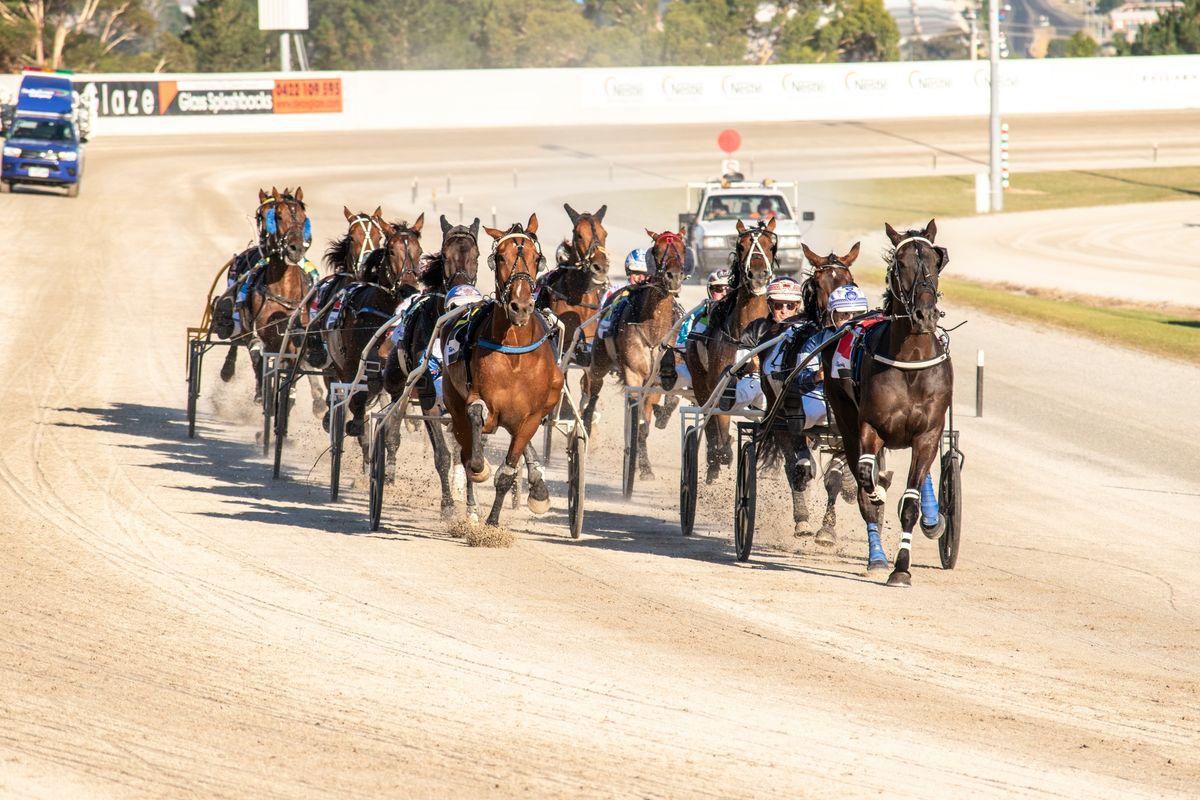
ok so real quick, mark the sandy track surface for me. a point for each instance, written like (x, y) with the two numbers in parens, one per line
(175, 623)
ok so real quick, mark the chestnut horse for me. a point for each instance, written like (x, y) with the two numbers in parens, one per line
(903, 392)
(509, 376)
(573, 291)
(457, 263)
(828, 272)
(633, 344)
(710, 354)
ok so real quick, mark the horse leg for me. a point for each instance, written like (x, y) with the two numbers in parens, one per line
(662, 413)
(356, 425)
(441, 460)
(476, 465)
(319, 403)
(799, 474)
(256, 360)
(592, 390)
(539, 494)
(835, 479)
(230, 364)
(506, 476)
(643, 434)
(923, 451)
(871, 495)
(712, 438)
(391, 443)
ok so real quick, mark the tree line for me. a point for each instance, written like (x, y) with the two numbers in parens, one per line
(223, 35)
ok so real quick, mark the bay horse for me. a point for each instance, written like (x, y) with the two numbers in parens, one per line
(828, 273)
(903, 392)
(753, 266)
(365, 305)
(573, 292)
(455, 264)
(509, 376)
(633, 344)
(283, 283)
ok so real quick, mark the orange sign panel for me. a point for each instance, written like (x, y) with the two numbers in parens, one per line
(314, 96)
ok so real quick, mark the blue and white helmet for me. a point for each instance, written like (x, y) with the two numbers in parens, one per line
(461, 295)
(636, 261)
(848, 298)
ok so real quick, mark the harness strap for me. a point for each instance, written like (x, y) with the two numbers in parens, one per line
(911, 365)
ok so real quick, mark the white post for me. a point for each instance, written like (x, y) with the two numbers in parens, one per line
(285, 53)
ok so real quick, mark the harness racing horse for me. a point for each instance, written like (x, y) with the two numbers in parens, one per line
(903, 392)
(709, 355)
(457, 263)
(282, 283)
(508, 377)
(633, 344)
(828, 273)
(363, 306)
(573, 292)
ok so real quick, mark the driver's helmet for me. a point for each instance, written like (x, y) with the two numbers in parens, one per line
(785, 290)
(718, 278)
(848, 298)
(636, 261)
(562, 254)
(461, 295)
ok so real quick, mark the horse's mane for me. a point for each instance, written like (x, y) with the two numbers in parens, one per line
(810, 295)
(372, 263)
(433, 278)
(338, 254)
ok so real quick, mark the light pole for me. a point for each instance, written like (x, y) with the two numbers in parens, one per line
(994, 56)
(971, 18)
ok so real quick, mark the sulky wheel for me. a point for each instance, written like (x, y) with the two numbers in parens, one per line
(282, 410)
(629, 465)
(688, 480)
(337, 441)
(195, 359)
(377, 476)
(744, 500)
(950, 501)
(576, 457)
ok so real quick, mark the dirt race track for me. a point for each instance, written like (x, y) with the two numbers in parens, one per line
(177, 624)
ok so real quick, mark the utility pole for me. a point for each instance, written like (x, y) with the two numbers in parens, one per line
(994, 56)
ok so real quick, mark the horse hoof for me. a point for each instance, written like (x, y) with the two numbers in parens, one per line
(482, 475)
(825, 537)
(325, 421)
(646, 475)
(354, 427)
(538, 506)
(227, 370)
(878, 566)
(448, 510)
(899, 579)
(802, 531)
(936, 530)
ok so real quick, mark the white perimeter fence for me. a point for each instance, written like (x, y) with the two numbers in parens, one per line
(271, 102)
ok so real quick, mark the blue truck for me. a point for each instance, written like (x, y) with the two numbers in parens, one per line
(42, 145)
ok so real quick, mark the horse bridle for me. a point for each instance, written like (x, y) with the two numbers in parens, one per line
(923, 281)
(369, 225)
(462, 234)
(273, 242)
(669, 238)
(756, 235)
(506, 290)
(409, 266)
(586, 258)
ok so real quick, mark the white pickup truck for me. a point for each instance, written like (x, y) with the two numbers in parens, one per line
(711, 228)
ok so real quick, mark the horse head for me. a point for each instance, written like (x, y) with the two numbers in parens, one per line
(588, 239)
(459, 255)
(914, 265)
(516, 259)
(829, 272)
(754, 256)
(665, 259)
(367, 233)
(284, 228)
(404, 252)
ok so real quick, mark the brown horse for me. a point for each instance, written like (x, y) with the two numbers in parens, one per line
(633, 344)
(786, 426)
(902, 395)
(508, 377)
(709, 355)
(573, 291)
(283, 283)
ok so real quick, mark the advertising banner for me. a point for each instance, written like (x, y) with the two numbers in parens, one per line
(215, 97)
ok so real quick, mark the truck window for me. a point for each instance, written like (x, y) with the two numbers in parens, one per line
(42, 130)
(745, 206)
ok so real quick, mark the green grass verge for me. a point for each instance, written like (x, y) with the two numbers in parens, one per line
(1173, 333)
(865, 204)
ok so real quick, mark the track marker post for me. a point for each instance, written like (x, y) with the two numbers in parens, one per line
(979, 384)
